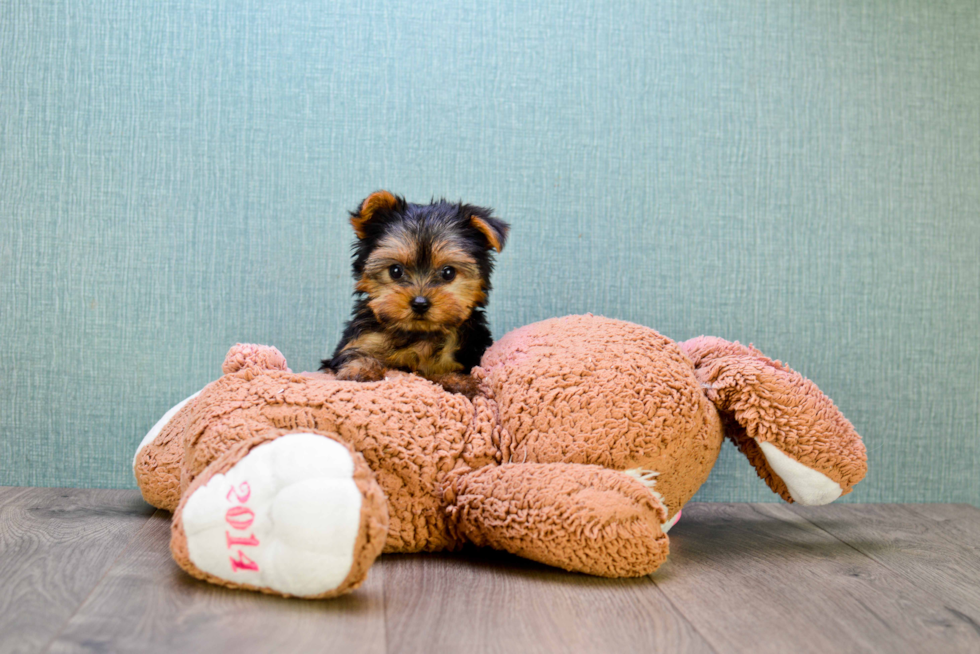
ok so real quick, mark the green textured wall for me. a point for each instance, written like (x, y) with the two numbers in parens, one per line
(174, 178)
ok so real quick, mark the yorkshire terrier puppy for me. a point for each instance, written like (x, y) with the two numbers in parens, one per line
(423, 274)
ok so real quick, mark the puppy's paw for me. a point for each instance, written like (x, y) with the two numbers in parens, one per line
(455, 382)
(362, 370)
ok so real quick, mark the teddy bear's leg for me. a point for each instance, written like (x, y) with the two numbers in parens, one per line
(295, 514)
(158, 458)
(160, 455)
(584, 518)
(798, 441)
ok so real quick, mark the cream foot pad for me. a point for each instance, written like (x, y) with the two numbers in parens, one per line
(286, 517)
(806, 486)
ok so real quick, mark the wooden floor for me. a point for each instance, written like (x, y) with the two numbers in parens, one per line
(90, 570)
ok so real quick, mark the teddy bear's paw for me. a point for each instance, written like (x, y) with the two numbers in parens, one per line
(286, 518)
(806, 486)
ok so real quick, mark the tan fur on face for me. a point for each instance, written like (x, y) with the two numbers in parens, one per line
(391, 306)
(397, 247)
(449, 253)
(452, 302)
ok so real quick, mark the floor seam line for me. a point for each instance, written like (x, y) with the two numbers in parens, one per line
(384, 598)
(98, 583)
(680, 612)
(940, 600)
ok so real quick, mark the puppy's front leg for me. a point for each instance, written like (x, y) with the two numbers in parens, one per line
(362, 369)
(456, 382)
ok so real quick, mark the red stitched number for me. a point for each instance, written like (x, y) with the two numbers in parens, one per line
(243, 563)
(236, 540)
(240, 518)
(243, 493)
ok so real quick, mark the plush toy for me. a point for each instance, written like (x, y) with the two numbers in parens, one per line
(587, 438)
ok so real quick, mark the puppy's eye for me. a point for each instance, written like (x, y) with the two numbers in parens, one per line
(448, 273)
(396, 271)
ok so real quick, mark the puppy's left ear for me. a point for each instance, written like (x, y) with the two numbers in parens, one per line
(494, 229)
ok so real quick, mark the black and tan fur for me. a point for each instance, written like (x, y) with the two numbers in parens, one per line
(437, 256)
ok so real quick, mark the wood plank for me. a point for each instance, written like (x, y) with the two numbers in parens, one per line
(761, 578)
(922, 550)
(960, 522)
(9, 493)
(486, 601)
(147, 604)
(55, 545)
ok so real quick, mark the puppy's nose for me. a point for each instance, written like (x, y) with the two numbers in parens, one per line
(420, 305)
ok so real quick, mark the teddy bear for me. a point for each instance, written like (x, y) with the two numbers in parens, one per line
(586, 439)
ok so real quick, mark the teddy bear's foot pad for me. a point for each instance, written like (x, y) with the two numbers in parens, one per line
(806, 486)
(285, 518)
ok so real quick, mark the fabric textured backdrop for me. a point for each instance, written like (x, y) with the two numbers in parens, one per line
(174, 177)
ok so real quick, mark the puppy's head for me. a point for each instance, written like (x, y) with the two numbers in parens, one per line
(424, 267)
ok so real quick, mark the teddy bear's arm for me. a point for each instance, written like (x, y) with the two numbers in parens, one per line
(583, 518)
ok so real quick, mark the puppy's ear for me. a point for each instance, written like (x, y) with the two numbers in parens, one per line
(494, 229)
(374, 205)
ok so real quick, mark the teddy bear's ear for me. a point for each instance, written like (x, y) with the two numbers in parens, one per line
(374, 206)
(494, 229)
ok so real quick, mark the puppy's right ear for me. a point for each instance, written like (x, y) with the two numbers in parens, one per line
(374, 205)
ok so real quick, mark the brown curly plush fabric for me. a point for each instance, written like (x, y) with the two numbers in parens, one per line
(410, 432)
(158, 467)
(586, 518)
(584, 389)
(765, 401)
(588, 435)
(263, 357)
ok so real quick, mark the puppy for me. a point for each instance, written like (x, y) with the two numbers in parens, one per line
(423, 275)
